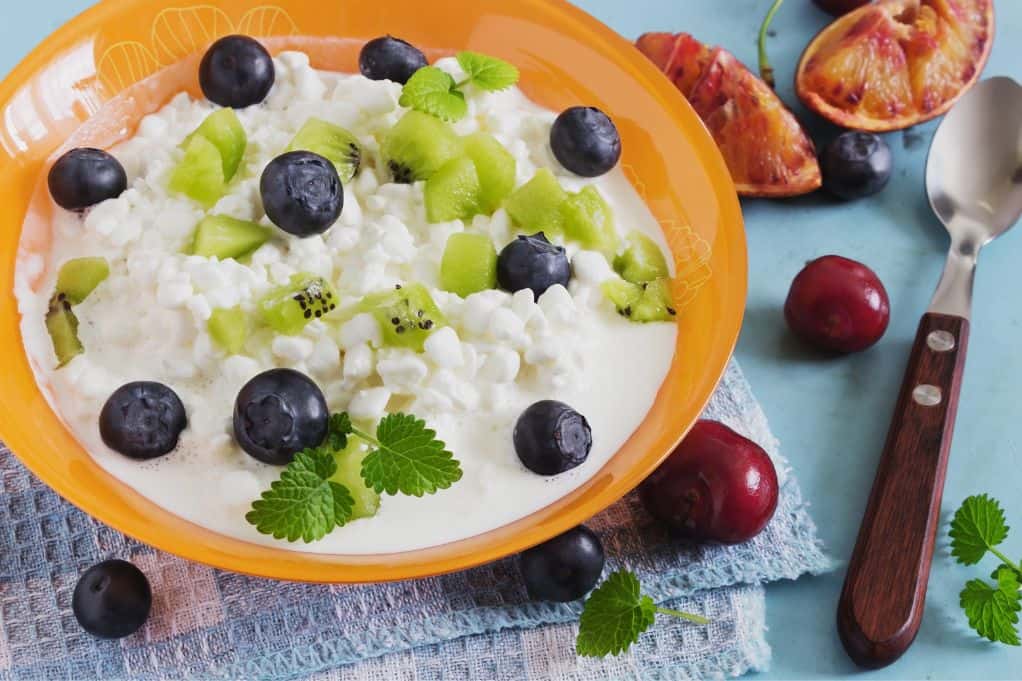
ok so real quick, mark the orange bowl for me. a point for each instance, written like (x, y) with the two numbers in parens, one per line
(106, 59)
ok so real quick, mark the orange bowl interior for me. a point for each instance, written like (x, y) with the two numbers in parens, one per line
(565, 57)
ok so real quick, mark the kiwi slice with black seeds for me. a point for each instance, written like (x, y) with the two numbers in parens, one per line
(289, 308)
(647, 302)
(406, 314)
(62, 325)
(79, 277)
(333, 143)
(417, 146)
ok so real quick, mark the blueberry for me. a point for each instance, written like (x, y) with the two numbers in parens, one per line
(532, 262)
(84, 177)
(390, 58)
(550, 437)
(278, 413)
(112, 599)
(585, 141)
(236, 71)
(856, 165)
(142, 420)
(302, 193)
(564, 568)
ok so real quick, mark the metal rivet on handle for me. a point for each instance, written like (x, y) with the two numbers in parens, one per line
(927, 395)
(941, 341)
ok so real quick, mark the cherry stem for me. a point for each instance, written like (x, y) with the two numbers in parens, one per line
(766, 71)
(698, 619)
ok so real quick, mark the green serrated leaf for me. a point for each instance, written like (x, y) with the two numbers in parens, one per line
(344, 503)
(487, 73)
(978, 526)
(408, 458)
(338, 431)
(1003, 566)
(433, 91)
(614, 616)
(993, 612)
(303, 503)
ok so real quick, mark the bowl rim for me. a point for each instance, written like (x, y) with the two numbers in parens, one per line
(292, 565)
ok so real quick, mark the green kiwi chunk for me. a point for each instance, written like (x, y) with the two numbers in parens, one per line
(453, 192)
(622, 293)
(223, 129)
(289, 308)
(647, 302)
(228, 327)
(349, 473)
(333, 143)
(589, 221)
(417, 146)
(200, 174)
(536, 205)
(62, 326)
(495, 167)
(656, 303)
(223, 237)
(79, 277)
(406, 314)
(642, 260)
(469, 264)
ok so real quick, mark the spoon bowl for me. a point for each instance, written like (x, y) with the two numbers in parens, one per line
(974, 169)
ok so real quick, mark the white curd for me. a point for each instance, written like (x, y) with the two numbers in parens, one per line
(502, 352)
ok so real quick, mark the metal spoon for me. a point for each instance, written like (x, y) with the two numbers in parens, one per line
(974, 183)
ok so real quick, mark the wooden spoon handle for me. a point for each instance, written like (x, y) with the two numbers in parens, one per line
(881, 605)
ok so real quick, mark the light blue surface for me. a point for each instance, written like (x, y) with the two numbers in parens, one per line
(832, 415)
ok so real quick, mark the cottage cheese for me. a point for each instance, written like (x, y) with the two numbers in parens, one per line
(502, 352)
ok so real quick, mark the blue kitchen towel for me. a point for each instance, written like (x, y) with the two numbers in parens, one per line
(476, 624)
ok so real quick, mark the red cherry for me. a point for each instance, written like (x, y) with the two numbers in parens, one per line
(716, 485)
(838, 304)
(839, 7)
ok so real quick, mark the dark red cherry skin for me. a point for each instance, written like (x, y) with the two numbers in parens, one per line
(715, 486)
(838, 304)
(839, 7)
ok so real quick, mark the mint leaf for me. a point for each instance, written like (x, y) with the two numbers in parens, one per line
(978, 526)
(303, 504)
(433, 91)
(1002, 566)
(487, 73)
(338, 430)
(615, 614)
(407, 458)
(993, 612)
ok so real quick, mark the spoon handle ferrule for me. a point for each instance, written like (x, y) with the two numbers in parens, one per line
(954, 291)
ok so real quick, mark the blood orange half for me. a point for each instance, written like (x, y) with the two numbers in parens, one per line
(895, 63)
(765, 147)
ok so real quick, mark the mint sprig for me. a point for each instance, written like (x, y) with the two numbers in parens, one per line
(304, 503)
(978, 528)
(993, 610)
(434, 91)
(617, 613)
(487, 73)
(337, 432)
(407, 457)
